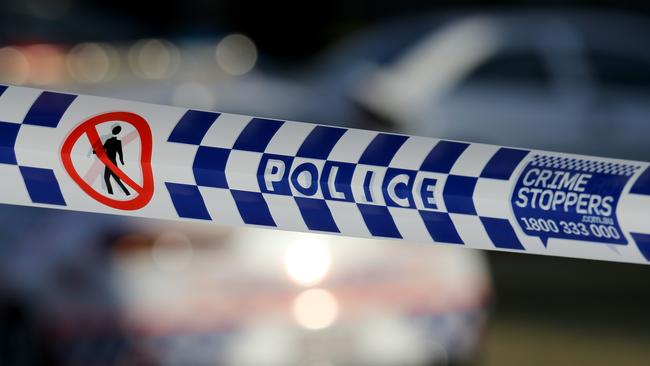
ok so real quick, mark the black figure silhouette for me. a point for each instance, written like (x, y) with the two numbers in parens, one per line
(113, 149)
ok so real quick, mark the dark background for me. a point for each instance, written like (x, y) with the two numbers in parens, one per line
(291, 30)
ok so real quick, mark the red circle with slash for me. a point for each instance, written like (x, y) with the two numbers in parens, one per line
(89, 129)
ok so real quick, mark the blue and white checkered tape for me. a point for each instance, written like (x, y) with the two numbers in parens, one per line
(241, 170)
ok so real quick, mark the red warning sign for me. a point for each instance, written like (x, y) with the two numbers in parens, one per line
(110, 154)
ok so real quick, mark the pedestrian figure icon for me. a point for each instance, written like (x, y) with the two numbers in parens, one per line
(113, 148)
(125, 128)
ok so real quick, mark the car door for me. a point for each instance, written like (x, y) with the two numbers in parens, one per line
(510, 98)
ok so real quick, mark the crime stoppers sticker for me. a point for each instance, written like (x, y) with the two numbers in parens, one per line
(570, 198)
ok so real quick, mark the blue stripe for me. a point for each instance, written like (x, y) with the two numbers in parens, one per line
(253, 208)
(316, 214)
(401, 190)
(458, 193)
(379, 221)
(192, 127)
(342, 184)
(209, 166)
(503, 163)
(270, 161)
(440, 227)
(443, 156)
(427, 193)
(42, 185)
(312, 181)
(367, 183)
(8, 134)
(48, 109)
(187, 201)
(257, 134)
(642, 185)
(320, 142)
(501, 233)
(2, 89)
(643, 242)
(381, 149)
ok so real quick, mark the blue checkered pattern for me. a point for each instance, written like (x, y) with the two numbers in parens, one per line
(46, 111)
(642, 184)
(591, 166)
(324, 179)
(216, 166)
(642, 187)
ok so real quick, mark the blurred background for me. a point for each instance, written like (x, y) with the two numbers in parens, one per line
(567, 77)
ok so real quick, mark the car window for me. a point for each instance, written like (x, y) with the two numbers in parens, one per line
(518, 67)
(620, 70)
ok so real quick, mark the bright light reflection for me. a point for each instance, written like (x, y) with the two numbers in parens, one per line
(315, 309)
(46, 64)
(307, 261)
(14, 66)
(90, 62)
(154, 59)
(236, 54)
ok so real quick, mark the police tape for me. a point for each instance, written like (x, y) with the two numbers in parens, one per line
(111, 156)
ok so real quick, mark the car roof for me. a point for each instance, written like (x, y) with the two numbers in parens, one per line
(385, 43)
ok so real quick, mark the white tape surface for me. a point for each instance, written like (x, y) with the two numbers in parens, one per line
(111, 156)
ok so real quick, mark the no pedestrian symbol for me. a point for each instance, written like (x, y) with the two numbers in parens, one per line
(105, 156)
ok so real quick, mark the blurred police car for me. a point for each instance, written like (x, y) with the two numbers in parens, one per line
(142, 292)
(575, 82)
(101, 290)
